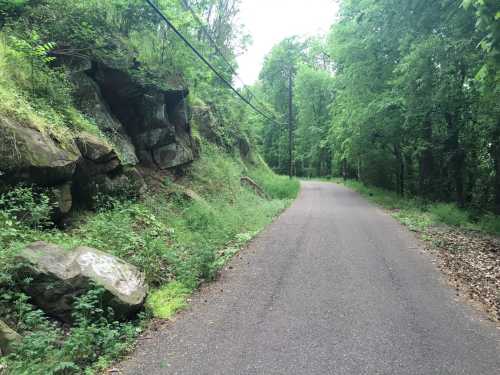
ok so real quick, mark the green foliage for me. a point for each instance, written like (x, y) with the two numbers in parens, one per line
(169, 299)
(94, 340)
(27, 207)
(35, 94)
(450, 214)
(418, 214)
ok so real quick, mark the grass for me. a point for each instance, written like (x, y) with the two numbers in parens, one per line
(419, 215)
(167, 300)
(177, 242)
(36, 96)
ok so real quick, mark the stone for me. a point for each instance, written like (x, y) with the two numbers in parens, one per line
(94, 149)
(172, 155)
(63, 199)
(155, 137)
(155, 119)
(207, 125)
(28, 155)
(8, 338)
(58, 276)
(91, 102)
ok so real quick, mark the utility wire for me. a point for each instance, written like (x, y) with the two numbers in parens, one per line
(207, 63)
(219, 52)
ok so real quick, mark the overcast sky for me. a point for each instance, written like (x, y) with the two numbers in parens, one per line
(270, 21)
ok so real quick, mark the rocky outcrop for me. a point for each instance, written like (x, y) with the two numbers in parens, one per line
(58, 276)
(8, 338)
(207, 125)
(143, 124)
(28, 155)
(79, 169)
(155, 119)
(90, 101)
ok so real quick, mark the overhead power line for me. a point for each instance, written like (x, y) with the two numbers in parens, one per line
(207, 63)
(217, 49)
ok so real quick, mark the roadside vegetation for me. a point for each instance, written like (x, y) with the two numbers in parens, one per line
(189, 221)
(177, 241)
(419, 214)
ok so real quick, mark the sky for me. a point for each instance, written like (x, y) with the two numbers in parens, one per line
(270, 21)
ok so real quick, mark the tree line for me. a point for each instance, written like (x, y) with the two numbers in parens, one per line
(401, 94)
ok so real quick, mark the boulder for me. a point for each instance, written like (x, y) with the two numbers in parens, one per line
(62, 197)
(28, 155)
(94, 149)
(8, 338)
(58, 276)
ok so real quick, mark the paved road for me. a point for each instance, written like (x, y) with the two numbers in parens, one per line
(334, 286)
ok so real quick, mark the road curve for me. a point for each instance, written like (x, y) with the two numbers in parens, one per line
(333, 286)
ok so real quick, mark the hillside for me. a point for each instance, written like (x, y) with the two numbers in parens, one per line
(134, 172)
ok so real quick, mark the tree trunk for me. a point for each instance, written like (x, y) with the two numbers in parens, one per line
(495, 155)
(457, 157)
(400, 175)
(426, 174)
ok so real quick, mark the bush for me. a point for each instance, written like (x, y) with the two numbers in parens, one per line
(489, 223)
(46, 349)
(26, 206)
(449, 214)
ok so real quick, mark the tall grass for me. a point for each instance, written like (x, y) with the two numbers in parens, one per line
(36, 95)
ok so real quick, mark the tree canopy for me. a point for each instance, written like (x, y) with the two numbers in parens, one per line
(400, 94)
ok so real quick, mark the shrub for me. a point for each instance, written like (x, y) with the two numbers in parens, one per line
(27, 207)
(47, 349)
(489, 223)
(449, 213)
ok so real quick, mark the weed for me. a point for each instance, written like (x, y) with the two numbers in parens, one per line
(177, 243)
(169, 299)
(449, 214)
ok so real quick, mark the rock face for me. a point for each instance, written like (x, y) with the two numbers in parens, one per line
(78, 170)
(144, 124)
(90, 101)
(59, 276)
(28, 155)
(156, 120)
(207, 125)
(8, 338)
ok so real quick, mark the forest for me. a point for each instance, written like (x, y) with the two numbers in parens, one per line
(121, 140)
(403, 95)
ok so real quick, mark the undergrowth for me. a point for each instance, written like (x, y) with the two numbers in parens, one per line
(177, 242)
(418, 214)
(34, 94)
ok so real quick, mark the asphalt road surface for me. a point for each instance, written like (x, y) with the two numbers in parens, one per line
(334, 286)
